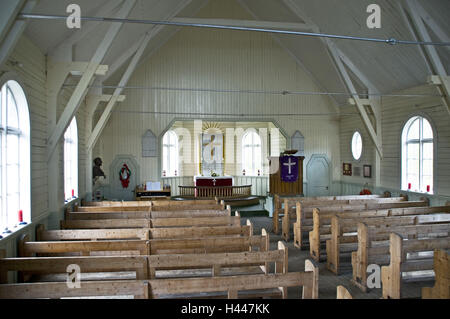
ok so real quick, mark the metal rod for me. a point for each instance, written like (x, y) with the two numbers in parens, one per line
(253, 91)
(234, 114)
(391, 41)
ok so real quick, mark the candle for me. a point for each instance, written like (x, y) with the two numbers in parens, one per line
(20, 216)
(409, 186)
(428, 188)
(73, 193)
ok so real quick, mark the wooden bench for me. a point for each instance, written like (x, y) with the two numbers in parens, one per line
(144, 247)
(343, 239)
(149, 214)
(279, 201)
(343, 293)
(233, 286)
(441, 289)
(322, 223)
(142, 233)
(151, 223)
(399, 250)
(304, 216)
(373, 245)
(146, 267)
(290, 210)
(169, 205)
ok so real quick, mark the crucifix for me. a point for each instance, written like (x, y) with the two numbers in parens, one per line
(214, 182)
(289, 164)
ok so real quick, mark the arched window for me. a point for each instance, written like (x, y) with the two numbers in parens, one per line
(251, 153)
(357, 146)
(417, 155)
(170, 154)
(15, 187)
(71, 162)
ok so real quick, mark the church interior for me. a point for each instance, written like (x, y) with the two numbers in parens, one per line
(225, 149)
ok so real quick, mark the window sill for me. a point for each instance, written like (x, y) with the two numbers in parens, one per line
(14, 231)
(417, 192)
(70, 201)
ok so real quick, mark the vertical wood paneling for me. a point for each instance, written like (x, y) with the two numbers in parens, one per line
(218, 59)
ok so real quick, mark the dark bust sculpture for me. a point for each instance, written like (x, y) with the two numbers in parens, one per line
(97, 171)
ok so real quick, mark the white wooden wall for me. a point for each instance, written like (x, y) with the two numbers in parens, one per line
(218, 59)
(32, 78)
(395, 113)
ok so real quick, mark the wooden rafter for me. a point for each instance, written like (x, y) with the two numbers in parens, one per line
(88, 76)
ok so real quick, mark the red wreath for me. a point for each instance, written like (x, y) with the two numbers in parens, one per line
(124, 175)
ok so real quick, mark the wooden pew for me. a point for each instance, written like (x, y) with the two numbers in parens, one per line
(373, 245)
(391, 275)
(142, 203)
(290, 210)
(145, 247)
(59, 265)
(304, 216)
(168, 205)
(147, 266)
(343, 293)
(148, 215)
(233, 286)
(137, 289)
(343, 240)
(322, 222)
(278, 202)
(441, 289)
(151, 223)
(142, 233)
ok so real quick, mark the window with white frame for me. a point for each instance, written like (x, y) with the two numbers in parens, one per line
(170, 155)
(71, 162)
(357, 146)
(417, 155)
(251, 153)
(15, 187)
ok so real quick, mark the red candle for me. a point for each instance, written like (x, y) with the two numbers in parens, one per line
(20, 216)
(73, 193)
(409, 185)
(428, 188)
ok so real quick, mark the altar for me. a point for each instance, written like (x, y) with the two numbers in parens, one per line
(213, 180)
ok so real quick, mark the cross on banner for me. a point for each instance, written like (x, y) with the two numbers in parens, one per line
(289, 164)
(289, 168)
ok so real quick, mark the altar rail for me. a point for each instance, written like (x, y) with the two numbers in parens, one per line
(260, 184)
(215, 191)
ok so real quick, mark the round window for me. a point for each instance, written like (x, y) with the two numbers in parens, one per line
(356, 146)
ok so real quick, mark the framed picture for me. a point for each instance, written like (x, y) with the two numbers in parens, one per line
(367, 171)
(347, 169)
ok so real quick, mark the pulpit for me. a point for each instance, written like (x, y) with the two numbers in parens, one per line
(286, 175)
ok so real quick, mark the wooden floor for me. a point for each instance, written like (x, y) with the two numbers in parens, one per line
(327, 280)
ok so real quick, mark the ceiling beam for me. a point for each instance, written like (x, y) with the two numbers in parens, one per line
(340, 59)
(417, 14)
(88, 76)
(408, 22)
(78, 34)
(15, 32)
(123, 82)
(10, 9)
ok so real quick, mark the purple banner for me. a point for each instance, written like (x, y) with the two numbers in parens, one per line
(289, 168)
